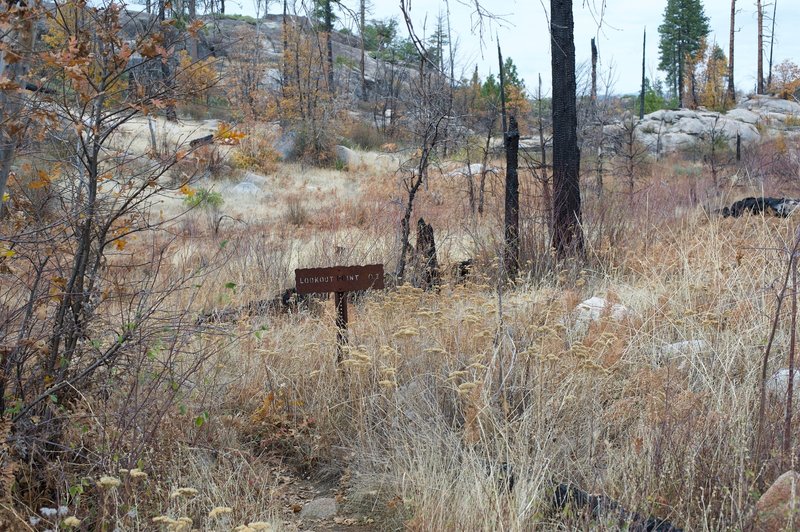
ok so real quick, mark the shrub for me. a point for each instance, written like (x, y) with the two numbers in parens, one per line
(204, 198)
(296, 213)
(362, 135)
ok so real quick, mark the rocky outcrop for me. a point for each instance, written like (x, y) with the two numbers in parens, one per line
(667, 131)
(779, 508)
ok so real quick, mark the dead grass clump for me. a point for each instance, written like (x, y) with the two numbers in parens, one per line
(296, 212)
(363, 135)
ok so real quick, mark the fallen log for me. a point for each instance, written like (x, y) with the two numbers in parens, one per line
(780, 207)
(602, 507)
(284, 303)
(201, 141)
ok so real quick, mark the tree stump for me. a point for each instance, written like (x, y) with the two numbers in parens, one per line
(425, 256)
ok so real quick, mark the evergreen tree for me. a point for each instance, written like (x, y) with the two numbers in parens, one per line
(685, 26)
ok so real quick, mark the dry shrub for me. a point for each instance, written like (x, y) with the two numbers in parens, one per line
(363, 135)
(296, 212)
(257, 152)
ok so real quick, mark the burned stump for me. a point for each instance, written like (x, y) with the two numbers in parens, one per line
(427, 266)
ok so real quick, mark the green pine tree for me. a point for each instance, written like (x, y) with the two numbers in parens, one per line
(684, 27)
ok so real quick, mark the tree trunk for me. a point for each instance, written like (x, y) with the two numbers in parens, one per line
(484, 163)
(771, 43)
(731, 87)
(594, 74)
(285, 54)
(192, 42)
(511, 254)
(760, 68)
(567, 232)
(680, 75)
(166, 75)
(502, 92)
(12, 121)
(644, 55)
(362, 25)
(426, 256)
(329, 41)
(547, 198)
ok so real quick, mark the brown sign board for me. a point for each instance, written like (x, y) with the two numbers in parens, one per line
(338, 278)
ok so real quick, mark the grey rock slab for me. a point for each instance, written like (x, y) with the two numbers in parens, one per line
(246, 188)
(742, 115)
(323, 508)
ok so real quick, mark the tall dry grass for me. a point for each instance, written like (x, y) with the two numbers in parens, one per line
(443, 394)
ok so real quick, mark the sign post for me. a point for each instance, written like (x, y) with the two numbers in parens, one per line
(340, 280)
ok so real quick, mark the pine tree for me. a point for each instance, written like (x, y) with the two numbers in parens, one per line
(685, 25)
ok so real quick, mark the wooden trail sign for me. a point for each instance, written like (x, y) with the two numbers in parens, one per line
(340, 280)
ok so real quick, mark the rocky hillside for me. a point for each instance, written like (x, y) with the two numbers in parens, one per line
(753, 119)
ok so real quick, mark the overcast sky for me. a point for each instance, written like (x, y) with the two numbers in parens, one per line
(523, 34)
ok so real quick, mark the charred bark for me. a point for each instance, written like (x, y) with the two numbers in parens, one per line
(511, 254)
(567, 232)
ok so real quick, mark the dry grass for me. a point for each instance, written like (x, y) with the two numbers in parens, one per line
(440, 391)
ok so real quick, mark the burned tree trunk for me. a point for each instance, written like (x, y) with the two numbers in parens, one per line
(594, 74)
(328, 42)
(166, 75)
(511, 252)
(731, 87)
(644, 56)
(361, 21)
(547, 197)
(567, 232)
(428, 266)
(760, 63)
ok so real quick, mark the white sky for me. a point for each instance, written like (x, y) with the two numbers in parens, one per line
(524, 36)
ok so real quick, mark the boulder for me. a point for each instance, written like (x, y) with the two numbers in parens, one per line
(742, 115)
(667, 131)
(686, 347)
(762, 104)
(778, 383)
(778, 507)
(345, 156)
(681, 353)
(474, 170)
(252, 177)
(595, 307)
(323, 508)
(246, 188)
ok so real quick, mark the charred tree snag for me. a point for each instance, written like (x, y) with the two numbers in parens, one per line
(426, 256)
(567, 232)
(511, 255)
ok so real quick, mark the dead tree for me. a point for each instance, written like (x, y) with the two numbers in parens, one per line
(19, 40)
(511, 251)
(644, 80)
(362, 25)
(547, 196)
(427, 264)
(328, 20)
(631, 155)
(567, 231)
(771, 44)
(593, 94)
(731, 88)
(760, 68)
(429, 108)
